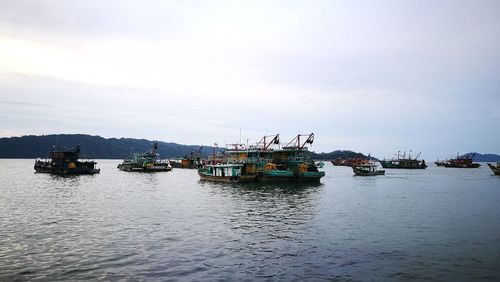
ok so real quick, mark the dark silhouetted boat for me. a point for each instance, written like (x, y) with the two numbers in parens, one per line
(440, 163)
(66, 163)
(351, 162)
(462, 162)
(404, 162)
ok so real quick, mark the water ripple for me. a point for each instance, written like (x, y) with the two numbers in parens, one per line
(425, 225)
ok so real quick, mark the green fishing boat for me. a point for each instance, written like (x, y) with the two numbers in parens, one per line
(145, 162)
(266, 161)
(367, 169)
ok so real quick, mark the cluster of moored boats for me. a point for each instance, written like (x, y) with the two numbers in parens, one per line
(265, 161)
(269, 161)
(366, 167)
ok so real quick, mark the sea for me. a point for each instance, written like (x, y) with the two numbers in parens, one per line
(438, 224)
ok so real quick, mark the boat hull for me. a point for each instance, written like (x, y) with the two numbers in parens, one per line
(82, 168)
(371, 173)
(271, 178)
(390, 165)
(474, 165)
(143, 169)
(228, 179)
(495, 169)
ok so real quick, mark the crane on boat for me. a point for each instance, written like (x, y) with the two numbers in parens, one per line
(265, 145)
(296, 143)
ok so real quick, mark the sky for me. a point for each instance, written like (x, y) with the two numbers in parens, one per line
(370, 76)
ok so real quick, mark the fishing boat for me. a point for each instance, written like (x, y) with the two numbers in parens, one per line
(191, 161)
(369, 169)
(439, 163)
(495, 169)
(351, 162)
(145, 162)
(66, 163)
(264, 162)
(404, 162)
(462, 162)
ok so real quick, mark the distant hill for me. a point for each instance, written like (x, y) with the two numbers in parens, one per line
(342, 154)
(92, 147)
(96, 147)
(483, 157)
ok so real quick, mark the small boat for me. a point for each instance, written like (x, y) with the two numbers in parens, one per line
(145, 162)
(66, 163)
(404, 162)
(369, 169)
(495, 169)
(320, 164)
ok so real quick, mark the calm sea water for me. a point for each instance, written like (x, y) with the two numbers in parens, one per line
(433, 224)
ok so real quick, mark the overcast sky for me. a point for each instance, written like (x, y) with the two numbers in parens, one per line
(371, 76)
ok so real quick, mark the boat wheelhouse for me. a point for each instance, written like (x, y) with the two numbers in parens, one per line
(226, 173)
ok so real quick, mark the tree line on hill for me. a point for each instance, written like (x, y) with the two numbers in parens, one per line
(96, 147)
(92, 147)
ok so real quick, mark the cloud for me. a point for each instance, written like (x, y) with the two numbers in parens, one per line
(379, 76)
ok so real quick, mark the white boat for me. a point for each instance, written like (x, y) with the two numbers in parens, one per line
(369, 169)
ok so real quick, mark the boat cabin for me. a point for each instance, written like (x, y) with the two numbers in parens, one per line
(223, 170)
